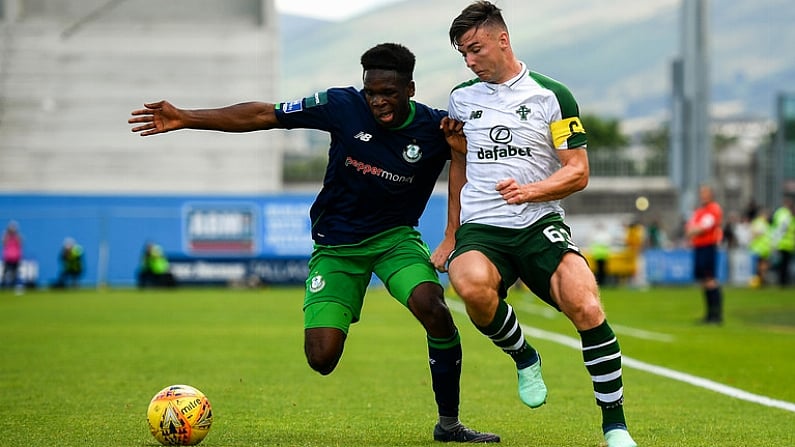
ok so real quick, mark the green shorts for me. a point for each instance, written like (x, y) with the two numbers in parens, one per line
(339, 275)
(532, 254)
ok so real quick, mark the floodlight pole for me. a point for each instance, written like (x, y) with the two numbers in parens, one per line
(690, 139)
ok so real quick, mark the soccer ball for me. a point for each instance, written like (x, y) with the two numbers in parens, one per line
(179, 415)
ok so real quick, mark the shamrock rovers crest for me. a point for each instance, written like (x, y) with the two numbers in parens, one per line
(317, 284)
(412, 153)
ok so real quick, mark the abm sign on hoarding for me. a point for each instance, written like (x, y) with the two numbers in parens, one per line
(244, 242)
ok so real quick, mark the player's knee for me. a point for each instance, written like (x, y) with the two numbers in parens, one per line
(431, 310)
(585, 313)
(473, 285)
(593, 309)
(467, 289)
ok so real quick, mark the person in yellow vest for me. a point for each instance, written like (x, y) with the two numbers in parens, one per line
(783, 238)
(635, 240)
(760, 246)
(155, 269)
(600, 252)
(71, 259)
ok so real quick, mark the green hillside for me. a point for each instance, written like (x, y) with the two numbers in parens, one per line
(615, 56)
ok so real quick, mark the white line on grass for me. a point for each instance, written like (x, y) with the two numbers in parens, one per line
(640, 333)
(550, 313)
(654, 369)
(545, 311)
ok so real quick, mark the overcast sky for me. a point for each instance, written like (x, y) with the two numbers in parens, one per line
(328, 10)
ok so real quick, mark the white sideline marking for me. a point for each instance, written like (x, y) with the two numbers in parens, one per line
(550, 313)
(640, 333)
(545, 311)
(654, 369)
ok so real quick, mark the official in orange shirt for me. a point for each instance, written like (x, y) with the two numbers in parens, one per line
(705, 232)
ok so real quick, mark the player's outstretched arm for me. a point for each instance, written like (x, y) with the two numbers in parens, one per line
(162, 116)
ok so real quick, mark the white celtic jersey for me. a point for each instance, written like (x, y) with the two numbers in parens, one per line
(513, 130)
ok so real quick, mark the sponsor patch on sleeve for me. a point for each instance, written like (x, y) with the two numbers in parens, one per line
(292, 106)
(318, 99)
(565, 131)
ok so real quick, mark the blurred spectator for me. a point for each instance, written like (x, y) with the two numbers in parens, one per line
(12, 256)
(635, 236)
(729, 235)
(71, 260)
(635, 240)
(742, 232)
(752, 210)
(760, 246)
(783, 238)
(705, 232)
(600, 251)
(154, 270)
(680, 235)
(736, 238)
(655, 236)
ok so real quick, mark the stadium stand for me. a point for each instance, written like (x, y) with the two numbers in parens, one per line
(71, 71)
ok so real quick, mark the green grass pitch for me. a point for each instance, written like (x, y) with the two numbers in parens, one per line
(78, 368)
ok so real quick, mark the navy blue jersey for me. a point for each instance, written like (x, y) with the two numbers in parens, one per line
(376, 178)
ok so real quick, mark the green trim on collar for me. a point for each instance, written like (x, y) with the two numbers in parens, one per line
(409, 119)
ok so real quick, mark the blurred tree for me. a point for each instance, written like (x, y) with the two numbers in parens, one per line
(656, 140)
(721, 142)
(604, 134)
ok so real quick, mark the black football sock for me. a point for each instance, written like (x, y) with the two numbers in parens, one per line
(714, 305)
(445, 362)
(602, 357)
(505, 332)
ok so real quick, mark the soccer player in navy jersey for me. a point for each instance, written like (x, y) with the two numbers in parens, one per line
(386, 154)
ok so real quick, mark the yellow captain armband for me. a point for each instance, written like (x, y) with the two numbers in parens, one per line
(564, 129)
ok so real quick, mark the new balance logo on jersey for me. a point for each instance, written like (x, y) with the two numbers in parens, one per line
(363, 136)
(476, 114)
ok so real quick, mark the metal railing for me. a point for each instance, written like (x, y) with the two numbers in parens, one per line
(608, 164)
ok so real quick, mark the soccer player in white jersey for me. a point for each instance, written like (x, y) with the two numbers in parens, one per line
(524, 152)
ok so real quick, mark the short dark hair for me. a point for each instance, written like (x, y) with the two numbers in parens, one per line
(390, 56)
(478, 14)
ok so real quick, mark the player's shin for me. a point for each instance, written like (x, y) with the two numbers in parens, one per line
(602, 356)
(444, 356)
(506, 333)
